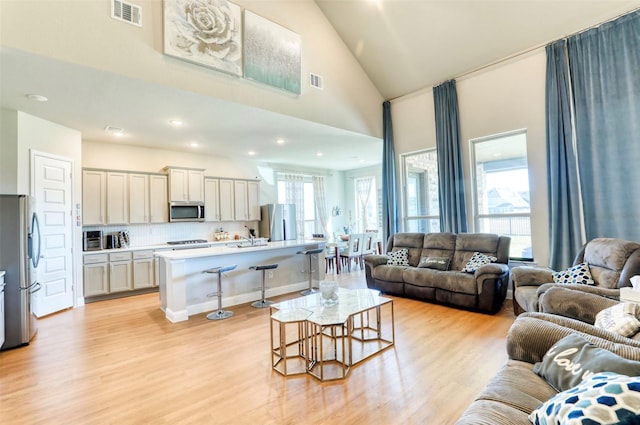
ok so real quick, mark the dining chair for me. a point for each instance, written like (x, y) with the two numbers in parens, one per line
(354, 251)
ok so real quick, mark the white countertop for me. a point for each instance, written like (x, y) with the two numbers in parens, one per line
(229, 250)
(164, 246)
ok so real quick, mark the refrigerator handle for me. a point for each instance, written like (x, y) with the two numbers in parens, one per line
(35, 229)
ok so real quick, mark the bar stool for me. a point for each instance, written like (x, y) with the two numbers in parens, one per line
(220, 313)
(309, 253)
(263, 302)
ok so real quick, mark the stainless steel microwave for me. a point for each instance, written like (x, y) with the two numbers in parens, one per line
(186, 211)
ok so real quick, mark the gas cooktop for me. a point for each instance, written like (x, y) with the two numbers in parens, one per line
(186, 242)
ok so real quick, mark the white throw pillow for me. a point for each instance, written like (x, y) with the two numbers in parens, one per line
(621, 318)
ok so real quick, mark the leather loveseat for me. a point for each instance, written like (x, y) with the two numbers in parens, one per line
(516, 390)
(483, 290)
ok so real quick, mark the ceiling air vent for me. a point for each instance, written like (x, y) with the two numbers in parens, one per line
(126, 12)
(315, 80)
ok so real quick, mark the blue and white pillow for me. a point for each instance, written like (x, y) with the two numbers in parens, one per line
(606, 398)
(579, 273)
(399, 257)
(477, 259)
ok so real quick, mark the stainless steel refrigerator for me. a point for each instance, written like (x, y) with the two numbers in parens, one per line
(19, 256)
(278, 222)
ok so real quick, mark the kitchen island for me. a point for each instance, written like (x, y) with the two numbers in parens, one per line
(184, 289)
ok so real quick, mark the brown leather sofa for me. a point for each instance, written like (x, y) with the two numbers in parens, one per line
(483, 291)
(612, 262)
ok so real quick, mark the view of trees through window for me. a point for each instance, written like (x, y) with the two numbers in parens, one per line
(501, 189)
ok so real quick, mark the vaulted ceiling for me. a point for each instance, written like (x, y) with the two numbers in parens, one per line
(408, 45)
(402, 45)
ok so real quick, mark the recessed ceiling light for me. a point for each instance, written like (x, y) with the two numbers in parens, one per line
(115, 131)
(37, 97)
(194, 144)
(319, 154)
(280, 141)
(176, 123)
(251, 153)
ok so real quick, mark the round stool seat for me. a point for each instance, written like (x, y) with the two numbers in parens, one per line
(220, 313)
(310, 251)
(263, 302)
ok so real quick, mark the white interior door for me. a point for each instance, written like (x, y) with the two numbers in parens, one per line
(52, 190)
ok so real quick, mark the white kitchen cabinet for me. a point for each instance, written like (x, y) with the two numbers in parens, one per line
(158, 201)
(253, 200)
(117, 198)
(138, 198)
(94, 197)
(226, 205)
(186, 185)
(240, 200)
(211, 199)
(120, 272)
(95, 276)
(143, 269)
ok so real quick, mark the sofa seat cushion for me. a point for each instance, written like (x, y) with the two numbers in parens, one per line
(509, 397)
(527, 297)
(390, 273)
(452, 281)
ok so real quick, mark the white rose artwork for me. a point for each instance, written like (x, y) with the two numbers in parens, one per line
(206, 32)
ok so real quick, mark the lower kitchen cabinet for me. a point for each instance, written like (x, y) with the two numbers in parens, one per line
(143, 269)
(120, 272)
(95, 276)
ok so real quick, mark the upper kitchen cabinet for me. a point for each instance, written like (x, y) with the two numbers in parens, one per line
(226, 202)
(117, 198)
(158, 199)
(186, 184)
(246, 200)
(94, 197)
(211, 199)
(138, 198)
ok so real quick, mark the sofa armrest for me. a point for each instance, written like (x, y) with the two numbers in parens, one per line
(374, 260)
(532, 334)
(574, 303)
(613, 294)
(496, 269)
(530, 276)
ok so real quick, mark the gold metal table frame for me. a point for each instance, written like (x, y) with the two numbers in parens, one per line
(325, 342)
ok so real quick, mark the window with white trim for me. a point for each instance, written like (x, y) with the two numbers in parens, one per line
(421, 197)
(500, 176)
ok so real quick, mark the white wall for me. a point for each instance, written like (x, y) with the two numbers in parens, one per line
(23, 133)
(504, 97)
(82, 32)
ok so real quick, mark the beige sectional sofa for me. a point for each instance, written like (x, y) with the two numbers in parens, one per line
(483, 290)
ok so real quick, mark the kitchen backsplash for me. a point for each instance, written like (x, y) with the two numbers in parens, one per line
(157, 234)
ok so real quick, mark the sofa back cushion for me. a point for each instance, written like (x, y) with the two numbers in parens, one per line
(469, 243)
(439, 245)
(412, 241)
(607, 258)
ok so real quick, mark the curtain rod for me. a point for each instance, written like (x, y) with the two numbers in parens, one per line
(513, 56)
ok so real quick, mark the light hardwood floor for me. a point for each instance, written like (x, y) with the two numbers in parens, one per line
(122, 362)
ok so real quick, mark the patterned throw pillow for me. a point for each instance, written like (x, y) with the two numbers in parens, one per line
(621, 318)
(398, 258)
(477, 259)
(577, 274)
(606, 398)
